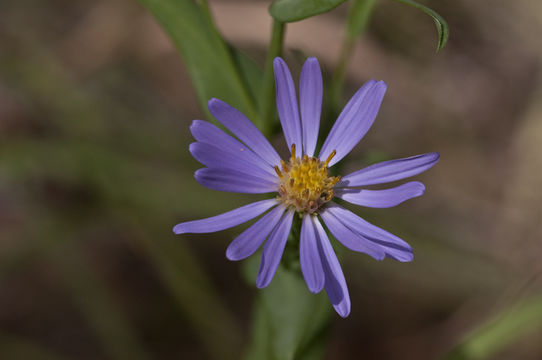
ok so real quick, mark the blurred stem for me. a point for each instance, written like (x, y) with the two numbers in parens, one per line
(358, 17)
(91, 295)
(14, 347)
(275, 49)
(500, 331)
(183, 276)
(111, 173)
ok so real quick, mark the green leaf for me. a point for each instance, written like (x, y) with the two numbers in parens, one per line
(250, 72)
(208, 59)
(500, 331)
(295, 10)
(289, 321)
(441, 24)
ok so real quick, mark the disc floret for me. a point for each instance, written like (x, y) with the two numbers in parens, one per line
(305, 183)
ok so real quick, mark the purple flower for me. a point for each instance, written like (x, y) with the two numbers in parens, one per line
(249, 164)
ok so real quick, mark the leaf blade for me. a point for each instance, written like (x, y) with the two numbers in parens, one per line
(442, 26)
(209, 61)
(500, 331)
(294, 10)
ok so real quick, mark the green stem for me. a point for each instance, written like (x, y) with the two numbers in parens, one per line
(337, 81)
(267, 94)
(358, 18)
(90, 293)
(499, 332)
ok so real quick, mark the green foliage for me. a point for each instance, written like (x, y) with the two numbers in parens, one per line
(501, 331)
(295, 10)
(267, 99)
(358, 17)
(14, 347)
(289, 321)
(125, 181)
(249, 71)
(93, 298)
(129, 183)
(440, 23)
(215, 71)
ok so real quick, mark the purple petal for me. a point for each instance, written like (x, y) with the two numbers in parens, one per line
(244, 129)
(250, 240)
(335, 283)
(381, 198)
(233, 181)
(227, 220)
(388, 171)
(214, 157)
(273, 249)
(393, 246)
(349, 238)
(205, 132)
(354, 121)
(310, 101)
(309, 257)
(287, 105)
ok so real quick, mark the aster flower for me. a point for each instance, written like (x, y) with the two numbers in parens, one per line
(303, 184)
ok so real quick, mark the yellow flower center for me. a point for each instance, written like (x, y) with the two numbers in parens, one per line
(305, 184)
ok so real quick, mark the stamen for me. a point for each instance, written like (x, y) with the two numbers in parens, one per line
(284, 166)
(305, 183)
(330, 157)
(335, 180)
(277, 170)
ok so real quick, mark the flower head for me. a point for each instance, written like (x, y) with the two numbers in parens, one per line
(249, 164)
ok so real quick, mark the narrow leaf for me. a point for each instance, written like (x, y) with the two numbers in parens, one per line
(210, 62)
(295, 10)
(250, 72)
(441, 24)
(500, 331)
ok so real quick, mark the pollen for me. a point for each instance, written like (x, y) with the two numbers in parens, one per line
(305, 183)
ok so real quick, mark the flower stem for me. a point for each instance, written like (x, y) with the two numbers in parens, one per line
(267, 94)
(358, 17)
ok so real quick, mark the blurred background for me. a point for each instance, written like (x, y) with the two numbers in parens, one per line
(95, 106)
